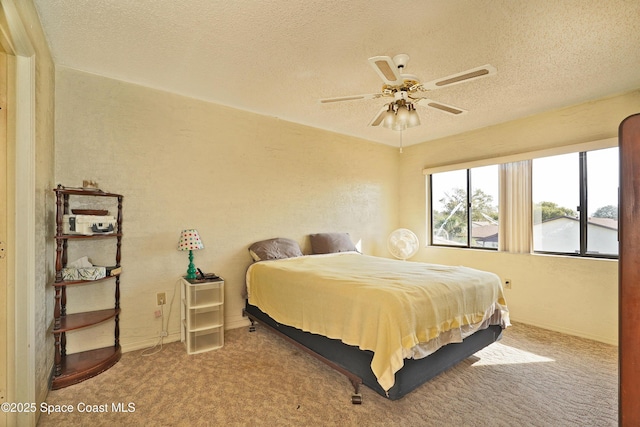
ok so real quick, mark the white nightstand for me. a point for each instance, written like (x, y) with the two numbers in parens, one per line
(202, 313)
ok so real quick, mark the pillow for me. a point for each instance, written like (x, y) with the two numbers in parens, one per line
(327, 243)
(277, 248)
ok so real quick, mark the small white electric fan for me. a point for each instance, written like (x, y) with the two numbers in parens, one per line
(403, 243)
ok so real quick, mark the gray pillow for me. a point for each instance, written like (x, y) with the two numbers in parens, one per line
(327, 243)
(277, 248)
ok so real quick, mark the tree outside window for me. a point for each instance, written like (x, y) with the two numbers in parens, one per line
(465, 208)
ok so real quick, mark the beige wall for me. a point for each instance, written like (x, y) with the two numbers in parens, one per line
(237, 177)
(576, 296)
(44, 205)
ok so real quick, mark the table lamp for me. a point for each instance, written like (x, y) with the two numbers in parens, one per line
(190, 241)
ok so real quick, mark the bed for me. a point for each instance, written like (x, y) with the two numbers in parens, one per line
(388, 324)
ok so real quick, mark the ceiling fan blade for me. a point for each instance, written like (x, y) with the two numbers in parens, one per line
(445, 108)
(351, 98)
(463, 77)
(387, 70)
(377, 119)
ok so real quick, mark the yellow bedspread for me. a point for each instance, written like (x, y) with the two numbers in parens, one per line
(378, 304)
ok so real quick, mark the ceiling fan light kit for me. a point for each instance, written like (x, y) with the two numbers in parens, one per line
(400, 115)
(407, 92)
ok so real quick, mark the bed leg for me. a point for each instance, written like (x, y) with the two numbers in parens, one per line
(356, 397)
(252, 327)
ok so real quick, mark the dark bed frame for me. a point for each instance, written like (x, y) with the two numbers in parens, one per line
(355, 363)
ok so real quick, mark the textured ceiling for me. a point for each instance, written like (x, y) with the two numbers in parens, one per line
(278, 58)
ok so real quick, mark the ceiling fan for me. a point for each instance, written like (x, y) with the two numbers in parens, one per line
(407, 91)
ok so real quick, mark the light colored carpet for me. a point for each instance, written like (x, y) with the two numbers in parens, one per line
(531, 377)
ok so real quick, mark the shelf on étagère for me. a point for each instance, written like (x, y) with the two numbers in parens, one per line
(82, 282)
(77, 367)
(87, 236)
(88, 318)
(84, 191)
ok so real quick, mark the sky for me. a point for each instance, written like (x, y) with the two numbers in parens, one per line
(555, 179)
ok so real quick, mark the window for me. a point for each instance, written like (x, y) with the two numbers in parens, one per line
(575, 203)
(464, 208)
(562, 200)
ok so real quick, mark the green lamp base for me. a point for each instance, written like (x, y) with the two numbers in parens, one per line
(191, 271)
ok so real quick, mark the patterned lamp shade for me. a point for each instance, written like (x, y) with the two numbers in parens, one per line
(190, 241)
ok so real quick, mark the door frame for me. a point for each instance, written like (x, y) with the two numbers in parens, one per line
(4, 214)
(21, 194)
(629, 277)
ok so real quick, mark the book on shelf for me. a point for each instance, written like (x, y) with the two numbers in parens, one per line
(112, 271)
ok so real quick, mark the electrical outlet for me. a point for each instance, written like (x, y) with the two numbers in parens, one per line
(507, 283)
(161, 298)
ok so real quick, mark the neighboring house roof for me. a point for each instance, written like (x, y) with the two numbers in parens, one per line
(484, 231)
(609, 223)
(487, 232)
(604, 222)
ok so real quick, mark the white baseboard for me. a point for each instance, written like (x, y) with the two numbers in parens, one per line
(237, 322)
(569, 331)
(232, 323)
(149, 342)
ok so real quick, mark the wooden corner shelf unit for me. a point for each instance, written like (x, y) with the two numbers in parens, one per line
(73, 368)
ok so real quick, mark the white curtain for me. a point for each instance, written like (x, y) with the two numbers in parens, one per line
(515, 207)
